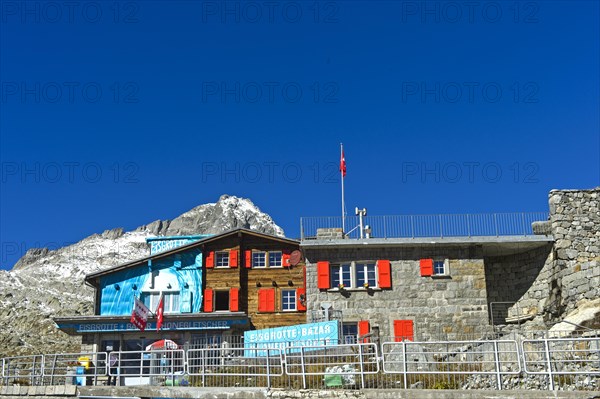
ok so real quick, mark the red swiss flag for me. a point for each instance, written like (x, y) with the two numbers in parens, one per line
(159, 313)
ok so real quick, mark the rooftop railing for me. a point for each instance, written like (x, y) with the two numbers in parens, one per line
(414, 226)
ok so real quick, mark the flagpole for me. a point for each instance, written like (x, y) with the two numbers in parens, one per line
(343, 204)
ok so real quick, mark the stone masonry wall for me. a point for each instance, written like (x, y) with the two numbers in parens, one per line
(571, 271)
(521, 277)
(575, 220)
(440, 307)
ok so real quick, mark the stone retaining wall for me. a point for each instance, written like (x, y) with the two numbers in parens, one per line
(571, 272)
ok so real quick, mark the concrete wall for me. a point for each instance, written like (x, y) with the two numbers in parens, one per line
(453, 306)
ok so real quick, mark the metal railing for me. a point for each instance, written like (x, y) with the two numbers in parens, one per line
(561, 357)
(23, 369)
(59, 368)
(339, 364)
(442, 225)
(156, 367)
(226, 366)
(536, 363)
(455, 360)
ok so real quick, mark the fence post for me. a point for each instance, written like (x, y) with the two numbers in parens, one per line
(549, 363)
(362, 376)
(496, 223)
(498, 367)
(202, 368)
(385, 227)
(468, 225)
(268, 368)
(404, 365)
(302, 366)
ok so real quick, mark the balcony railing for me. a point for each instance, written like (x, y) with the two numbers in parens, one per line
(414, 226)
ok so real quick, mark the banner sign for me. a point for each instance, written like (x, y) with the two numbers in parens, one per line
(292, 337)
(92, 327)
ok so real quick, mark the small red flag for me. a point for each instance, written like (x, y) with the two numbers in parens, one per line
(159, 313)
(343, 164)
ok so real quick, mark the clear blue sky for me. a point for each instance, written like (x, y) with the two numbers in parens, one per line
(120, 113)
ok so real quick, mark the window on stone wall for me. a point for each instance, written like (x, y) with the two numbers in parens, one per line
(440, 267)
(359, 274)
(366, 276)
(349, 333)
(341, 275)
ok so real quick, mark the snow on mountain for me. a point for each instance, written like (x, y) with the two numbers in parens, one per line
(47, 283)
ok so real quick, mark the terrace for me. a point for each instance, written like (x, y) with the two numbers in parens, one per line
(414, 227)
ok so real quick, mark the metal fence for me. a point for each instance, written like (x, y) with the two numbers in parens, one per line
(442, 225)
(531, 363)
(454, 361)
(561, 358)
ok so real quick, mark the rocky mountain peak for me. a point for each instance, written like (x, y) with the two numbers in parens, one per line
(229, 212)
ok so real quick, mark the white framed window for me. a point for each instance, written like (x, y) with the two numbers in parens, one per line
(275, 258)
(357, 274)
(366, 274)
(441, 267)
(222, 259)
(259, 259)
(341, 275)
(171, 300)
(267, 259)
(288, 300)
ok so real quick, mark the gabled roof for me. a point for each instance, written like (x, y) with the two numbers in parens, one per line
(200, 243)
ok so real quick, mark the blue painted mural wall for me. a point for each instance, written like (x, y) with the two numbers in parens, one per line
(182, 272)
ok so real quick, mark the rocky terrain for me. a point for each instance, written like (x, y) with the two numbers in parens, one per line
(47, 283)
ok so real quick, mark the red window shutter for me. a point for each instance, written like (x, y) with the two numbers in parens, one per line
(248, 259)
(262, 301)
(233, 258)
(234, 303)
(403, 330)
(385, 274)
(208, 300)
(271, 300)
(266, 300)
(299, 305)
(364, 328)
(323, 282)
(210, 260)
(426, 267)
(285, 260)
